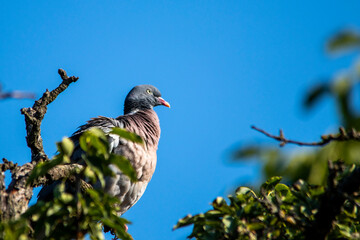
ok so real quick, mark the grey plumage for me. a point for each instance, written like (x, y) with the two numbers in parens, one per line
(139, 118)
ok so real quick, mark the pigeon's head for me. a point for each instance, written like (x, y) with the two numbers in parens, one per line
(143, 97)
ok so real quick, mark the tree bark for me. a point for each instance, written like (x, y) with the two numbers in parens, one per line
(14, 200)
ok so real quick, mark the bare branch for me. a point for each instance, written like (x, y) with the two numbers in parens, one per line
(16, 94)
(14, 200)
(325, 139)
(35, 115)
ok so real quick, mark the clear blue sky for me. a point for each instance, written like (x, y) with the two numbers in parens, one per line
(223, 66)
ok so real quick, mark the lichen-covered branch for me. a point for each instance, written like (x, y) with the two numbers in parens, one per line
(14, 200)
(7, 165)
(35, 115)
(343, 135)
(62, 171)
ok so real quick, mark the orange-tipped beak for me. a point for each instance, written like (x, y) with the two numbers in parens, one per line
(163, 102)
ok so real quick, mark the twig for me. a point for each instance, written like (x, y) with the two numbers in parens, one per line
(16, 94)
(7, 165)
(325, 139)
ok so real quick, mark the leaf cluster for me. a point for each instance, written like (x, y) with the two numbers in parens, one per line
(75, 211)
(277, 212)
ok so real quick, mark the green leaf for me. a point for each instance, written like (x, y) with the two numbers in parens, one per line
(344, 230)
(245, 191)
(118, 226)
(229, 224)
(94, 194)
(214, 213)
(282, 190)
(59, 189)
(255, 226)
(301, 185)
(98, 169)
(185, 221)
(89, 173)
(47, 229)
(343, 41)
(42, 168)
(96, 231)
(94, 142)
(97, 132)
(124, 165)
(66, 197)
(127, 135)
(315, 94)
(247, 152)
(53, 210)
(66, 146)
(270, 184)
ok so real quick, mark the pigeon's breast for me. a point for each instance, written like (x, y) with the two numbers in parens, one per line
(140, 156)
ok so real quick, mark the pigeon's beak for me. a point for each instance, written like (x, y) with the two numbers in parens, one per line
(163, 102)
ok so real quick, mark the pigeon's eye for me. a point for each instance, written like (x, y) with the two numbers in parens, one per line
(148, 91)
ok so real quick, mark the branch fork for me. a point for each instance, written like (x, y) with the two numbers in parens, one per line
(14, 200)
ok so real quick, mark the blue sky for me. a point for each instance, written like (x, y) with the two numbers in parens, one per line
(223, 66)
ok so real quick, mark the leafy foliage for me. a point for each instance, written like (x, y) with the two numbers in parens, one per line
(278, 212)
(74, 213)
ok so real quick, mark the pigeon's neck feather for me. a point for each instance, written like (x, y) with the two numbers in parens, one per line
(144, 123)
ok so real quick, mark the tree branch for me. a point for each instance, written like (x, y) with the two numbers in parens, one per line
(60, 172)
(35, 115)
(16, 94)
(325, 139)
(15, 199)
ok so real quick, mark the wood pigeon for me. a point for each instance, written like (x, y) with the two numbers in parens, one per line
(140, 118)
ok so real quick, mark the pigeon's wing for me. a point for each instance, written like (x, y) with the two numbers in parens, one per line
(105, 124)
